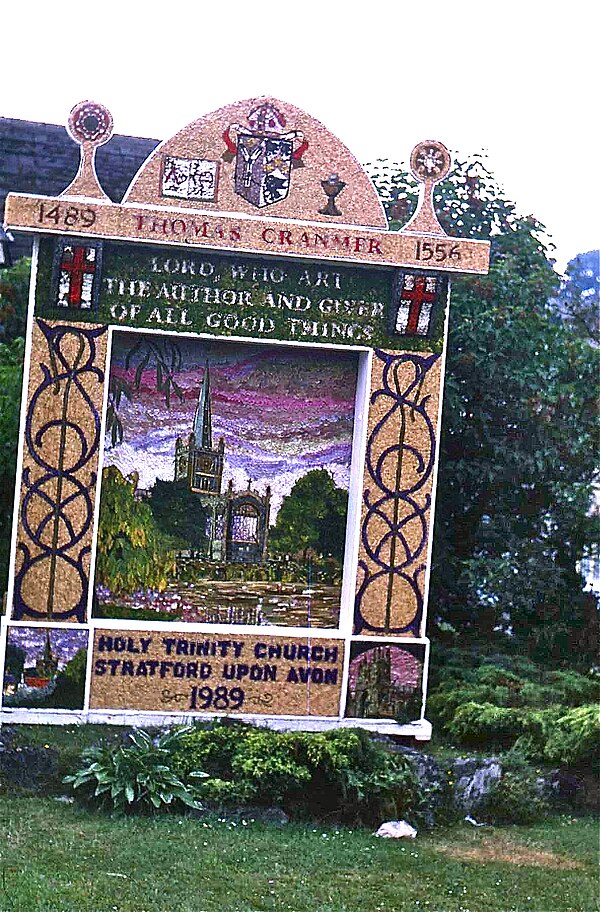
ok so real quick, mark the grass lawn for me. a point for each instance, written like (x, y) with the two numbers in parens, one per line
(57, 857)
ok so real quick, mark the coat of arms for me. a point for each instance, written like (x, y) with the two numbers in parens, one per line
(264, 155)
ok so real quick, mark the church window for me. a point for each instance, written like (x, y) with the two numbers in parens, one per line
(203, 482)
(244, 524)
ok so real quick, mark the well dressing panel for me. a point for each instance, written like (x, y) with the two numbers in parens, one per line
(230, 435)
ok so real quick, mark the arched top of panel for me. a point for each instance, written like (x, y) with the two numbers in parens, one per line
(261, 156)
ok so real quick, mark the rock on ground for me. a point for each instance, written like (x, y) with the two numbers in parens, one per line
(396, 829)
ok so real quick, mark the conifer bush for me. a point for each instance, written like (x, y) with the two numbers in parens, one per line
(574, 739)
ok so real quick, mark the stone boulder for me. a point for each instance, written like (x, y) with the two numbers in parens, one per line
(473, 781)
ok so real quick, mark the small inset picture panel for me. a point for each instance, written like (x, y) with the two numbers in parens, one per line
(385, 681)
(190, 178)
(76, 274)
(174, 671)
(45, 668)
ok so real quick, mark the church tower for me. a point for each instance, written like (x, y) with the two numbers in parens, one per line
(195, 458)
(203, 418)
(236, 522)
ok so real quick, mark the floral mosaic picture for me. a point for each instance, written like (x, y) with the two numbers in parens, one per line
(385, 681)
(45, 668)
(225, 482)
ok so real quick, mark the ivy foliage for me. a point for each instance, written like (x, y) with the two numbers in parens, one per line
(11, 368)
(518, 447)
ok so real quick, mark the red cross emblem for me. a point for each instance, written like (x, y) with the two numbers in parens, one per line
(77, 268)
(419, 293)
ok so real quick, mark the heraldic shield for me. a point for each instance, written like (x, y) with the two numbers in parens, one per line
(262, 168)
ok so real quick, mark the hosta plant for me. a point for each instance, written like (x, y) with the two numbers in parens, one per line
(137, 775)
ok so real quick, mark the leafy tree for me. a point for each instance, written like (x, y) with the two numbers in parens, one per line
(518, 451)
(70, 683)
(132, 553)
(179, 513)
(14, 295)
(11, 368)
(312, 518)
(15, 661)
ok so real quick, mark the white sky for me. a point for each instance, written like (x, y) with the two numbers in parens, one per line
(518, 79)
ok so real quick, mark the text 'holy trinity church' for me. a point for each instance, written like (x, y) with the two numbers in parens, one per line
(237, 522)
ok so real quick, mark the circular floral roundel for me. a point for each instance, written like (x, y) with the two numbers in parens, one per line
(90, 122)
(430, 161)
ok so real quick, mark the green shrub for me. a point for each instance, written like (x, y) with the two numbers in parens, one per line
(483, 724)
(500, 701)
(539, 695)
(138, 776)
(566, 688)
(515, 798)
(351, 776)
(226, 792)
(210, 746)
(573, 740)
(518, 664)
(537, 725)
(341, 773)
(497, 727)
(452, 666)
(270, 764)
(574, 689)
(495, 676)
(443, 705)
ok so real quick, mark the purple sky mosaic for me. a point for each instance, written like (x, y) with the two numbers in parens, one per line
(64, 642)
(282, 411)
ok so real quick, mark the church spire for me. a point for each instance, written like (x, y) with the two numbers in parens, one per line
(203, 416)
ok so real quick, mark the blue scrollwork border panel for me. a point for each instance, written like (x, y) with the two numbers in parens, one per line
(60, 466)
(396, 509)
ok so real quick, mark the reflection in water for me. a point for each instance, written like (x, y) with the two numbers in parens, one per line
(233, 602)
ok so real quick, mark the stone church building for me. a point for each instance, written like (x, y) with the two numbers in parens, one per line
(237, 523)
